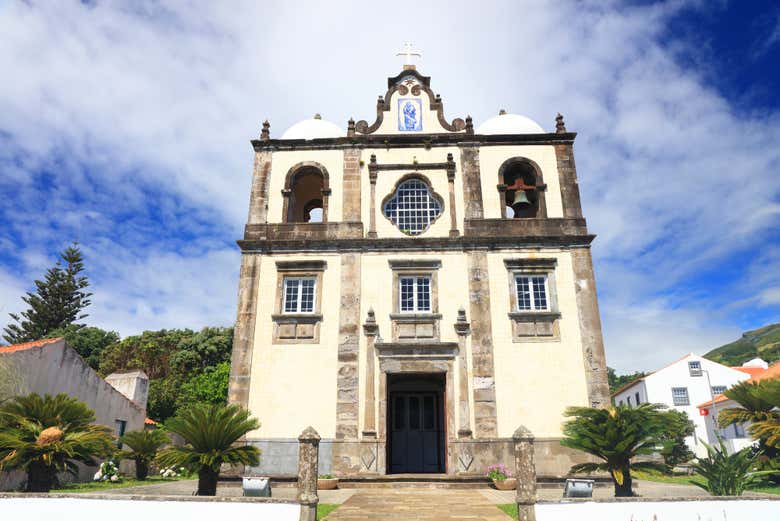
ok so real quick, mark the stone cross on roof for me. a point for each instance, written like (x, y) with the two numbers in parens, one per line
(408, 52)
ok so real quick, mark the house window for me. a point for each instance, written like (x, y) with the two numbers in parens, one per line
(718, 389)
(531, 292)
(297, 313)
(628, 400)
(415, 294)
(299, 294)
(636, 395)
(413, 207)
(694, 368)
(680, 396)
(739, 430)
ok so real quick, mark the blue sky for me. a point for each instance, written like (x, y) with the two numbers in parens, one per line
(126, 126)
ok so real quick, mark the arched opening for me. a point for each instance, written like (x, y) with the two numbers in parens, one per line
(521, 190)
(306, 194)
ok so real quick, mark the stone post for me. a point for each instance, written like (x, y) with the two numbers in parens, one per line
(451, 188)
(308, 455)
(525, 471)
(463, 329)
(371, 330)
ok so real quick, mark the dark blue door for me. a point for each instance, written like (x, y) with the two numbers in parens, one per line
(415, 433)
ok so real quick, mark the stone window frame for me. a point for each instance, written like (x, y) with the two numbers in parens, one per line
(427, 320)
(541, 187)
(298, 328)
(533, 326)
(287, 191)
(680, 396)
(393, 193)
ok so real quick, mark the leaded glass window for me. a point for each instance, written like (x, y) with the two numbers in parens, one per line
(299, 295)
(415, 294)
(531, 292)
(413, 207)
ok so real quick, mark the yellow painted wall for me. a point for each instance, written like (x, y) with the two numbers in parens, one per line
(536, 381)
(294, 385)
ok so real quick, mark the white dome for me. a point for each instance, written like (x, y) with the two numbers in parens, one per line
(510, 124)
(314, 128)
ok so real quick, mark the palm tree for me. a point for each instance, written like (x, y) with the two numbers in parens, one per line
(46, 435)
(144, 445)
(616, 435)
(759, 403)
(211, 432)
(729, 474)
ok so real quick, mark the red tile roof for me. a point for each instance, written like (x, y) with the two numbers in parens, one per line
(756, 374)
(28, 345)
(149, 421)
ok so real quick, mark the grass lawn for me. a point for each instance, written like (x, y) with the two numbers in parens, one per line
(676, 479)
(509, 509)
(95, 486)
(323, 509)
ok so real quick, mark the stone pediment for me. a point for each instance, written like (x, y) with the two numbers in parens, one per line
(411, 107)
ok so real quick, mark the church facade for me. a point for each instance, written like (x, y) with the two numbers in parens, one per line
(415, 289)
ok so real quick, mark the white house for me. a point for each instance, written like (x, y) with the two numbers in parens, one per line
(682, 385)
(735, 436)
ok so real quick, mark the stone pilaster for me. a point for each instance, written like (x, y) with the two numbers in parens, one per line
(244, 331)
(258, 200)
(472, 182)
(349, 337)
(567, 178)
(308, 462)
(351, 186)
(371, 330)
(372, 175)
(525, 472)
(463, 329)
(590, 328)
(482, 346)
(451, 189)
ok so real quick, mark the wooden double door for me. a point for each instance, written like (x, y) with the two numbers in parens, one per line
(416, 432)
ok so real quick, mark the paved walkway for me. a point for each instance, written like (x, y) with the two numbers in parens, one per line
(417, 505)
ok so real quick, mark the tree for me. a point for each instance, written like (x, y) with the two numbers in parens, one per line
(59, 300)
(616, 435)
(144, 445)
(211, 432)
(44, 435)
(729, 474)
(89, 342)
(211, 386)
(678, 427)
(617, 381)
(760, 406)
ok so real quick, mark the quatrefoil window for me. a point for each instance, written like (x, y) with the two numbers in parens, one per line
(413, 206)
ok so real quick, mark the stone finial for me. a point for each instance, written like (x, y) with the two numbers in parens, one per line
(449, 158)
(469, 125)
(560, 127)
(522, 433)
(461, 314)
(351, 128)
(309, 434)
(371, 317)
(502, 112)
(265, 134)
(373, 159)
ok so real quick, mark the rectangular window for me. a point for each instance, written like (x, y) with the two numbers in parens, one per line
(415, 294)
(119, 428)
(636, 395)
(694, 368)
(680, 396)
(628, 400)
(299, 294)
(718, 389)
(531, 292)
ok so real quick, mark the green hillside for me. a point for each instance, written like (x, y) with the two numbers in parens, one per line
(763, 342)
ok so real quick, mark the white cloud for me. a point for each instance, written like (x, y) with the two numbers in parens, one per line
(140, 116)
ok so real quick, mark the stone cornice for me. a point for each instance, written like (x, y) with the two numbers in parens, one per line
(413, 141)
(416, 244)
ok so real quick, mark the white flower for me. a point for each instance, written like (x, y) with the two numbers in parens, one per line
(97, 476)
(114, 478)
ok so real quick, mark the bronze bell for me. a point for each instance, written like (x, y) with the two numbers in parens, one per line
(521, 199)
